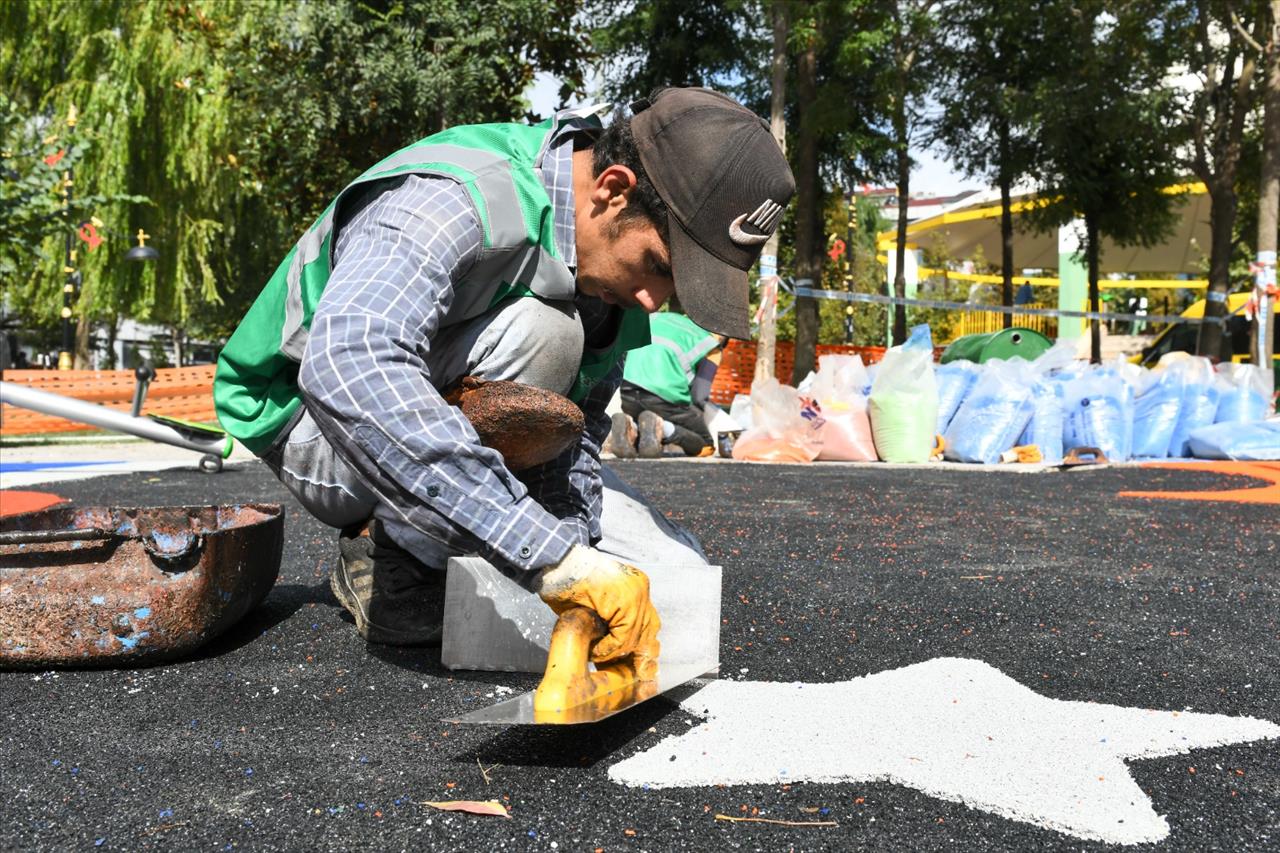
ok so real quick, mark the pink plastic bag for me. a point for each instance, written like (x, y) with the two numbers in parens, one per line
(786, 427)
(839, 389)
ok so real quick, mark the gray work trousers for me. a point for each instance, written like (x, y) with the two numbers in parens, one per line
(522, 340)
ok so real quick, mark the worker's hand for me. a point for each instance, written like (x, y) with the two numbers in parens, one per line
(617, 593)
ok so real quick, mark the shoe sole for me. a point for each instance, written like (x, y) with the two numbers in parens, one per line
(650, 436)
(619, 445)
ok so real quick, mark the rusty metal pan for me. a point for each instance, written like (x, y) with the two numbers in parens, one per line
(129, 586)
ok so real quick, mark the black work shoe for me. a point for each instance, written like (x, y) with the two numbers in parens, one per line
(687, 441)
(650, 426)
(395, 600)
(622, 437)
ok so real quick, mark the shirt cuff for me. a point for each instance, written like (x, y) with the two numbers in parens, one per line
(530, 538)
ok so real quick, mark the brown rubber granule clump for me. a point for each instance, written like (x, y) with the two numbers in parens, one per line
(527, 425)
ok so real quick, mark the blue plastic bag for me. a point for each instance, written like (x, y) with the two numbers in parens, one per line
(1044, 430)
(1259, 440)
(1199, 400)
(1098, 412)
(994, 413)
(954, 382)
(1155, 413)
(1245, 393)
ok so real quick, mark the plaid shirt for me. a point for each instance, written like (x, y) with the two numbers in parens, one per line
(366, 383)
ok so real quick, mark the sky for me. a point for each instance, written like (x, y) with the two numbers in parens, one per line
(933, 174)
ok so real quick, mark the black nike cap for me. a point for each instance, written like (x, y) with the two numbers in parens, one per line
(726, 183)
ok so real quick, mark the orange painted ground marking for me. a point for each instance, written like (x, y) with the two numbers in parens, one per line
(13, 502)
(1263, 494)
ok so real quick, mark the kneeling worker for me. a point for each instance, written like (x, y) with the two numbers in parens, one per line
(664, 390)
(488, 253)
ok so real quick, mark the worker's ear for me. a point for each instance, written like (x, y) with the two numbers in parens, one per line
(612, 187)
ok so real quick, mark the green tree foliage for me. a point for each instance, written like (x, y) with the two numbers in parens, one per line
(838, 111)
(849, 111)
(908, 31)
(37, 158)
(855, 270)
(832, 120)
(1107, 146)
(147, 77)
(988, 65)
(720, 44)
(239, 119)
(325, 90)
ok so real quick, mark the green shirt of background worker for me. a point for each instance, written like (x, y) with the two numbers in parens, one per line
(664, 390)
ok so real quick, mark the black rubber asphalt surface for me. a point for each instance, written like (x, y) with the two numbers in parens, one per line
(291, 734)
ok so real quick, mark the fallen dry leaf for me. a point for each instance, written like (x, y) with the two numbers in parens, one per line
(777, 822)
(486, 807)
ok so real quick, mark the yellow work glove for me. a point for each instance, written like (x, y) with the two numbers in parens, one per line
(617, 593)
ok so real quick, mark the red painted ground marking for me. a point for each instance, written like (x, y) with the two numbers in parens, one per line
(1263, 494)
(13, 502)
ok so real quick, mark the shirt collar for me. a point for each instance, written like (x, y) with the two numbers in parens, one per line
(557, 177)
(557, 174)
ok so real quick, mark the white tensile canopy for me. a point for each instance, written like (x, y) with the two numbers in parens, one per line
(975, 222)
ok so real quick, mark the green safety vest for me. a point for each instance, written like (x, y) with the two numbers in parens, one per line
(667, 366)
(255, 388)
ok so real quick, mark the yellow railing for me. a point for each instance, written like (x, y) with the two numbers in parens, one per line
(984, 322)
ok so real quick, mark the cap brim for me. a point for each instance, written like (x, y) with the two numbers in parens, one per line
(714, 294)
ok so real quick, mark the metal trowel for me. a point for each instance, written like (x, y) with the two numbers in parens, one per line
(571, 693)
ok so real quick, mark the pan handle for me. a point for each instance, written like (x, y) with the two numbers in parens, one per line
(43, 537)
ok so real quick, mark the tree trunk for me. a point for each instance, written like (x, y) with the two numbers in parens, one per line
(1269, 198)
(84, 335)
(904, 189)
(179, 338)
(1006, 243)
(1228, 132)
(1222, 215)
(809, 219)
(765, 348)
(1095, 325)
(113, 333)
(1006, 222)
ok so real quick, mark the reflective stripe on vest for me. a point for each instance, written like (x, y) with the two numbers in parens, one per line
(688, 360)
(497, 206)
(667, 368)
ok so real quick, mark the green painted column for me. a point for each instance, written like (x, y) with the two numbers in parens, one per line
(1073, 280)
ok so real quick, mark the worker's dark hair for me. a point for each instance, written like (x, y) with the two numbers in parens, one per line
(617, 146)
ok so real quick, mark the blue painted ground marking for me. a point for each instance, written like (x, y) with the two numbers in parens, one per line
(22, 467)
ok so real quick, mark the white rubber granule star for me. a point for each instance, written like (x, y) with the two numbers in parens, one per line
(956, 729)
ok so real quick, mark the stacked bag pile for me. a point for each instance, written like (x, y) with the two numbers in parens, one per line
(842, 413)
(904, 408)
(1006, 404)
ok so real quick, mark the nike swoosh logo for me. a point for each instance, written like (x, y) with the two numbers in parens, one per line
(763, 218)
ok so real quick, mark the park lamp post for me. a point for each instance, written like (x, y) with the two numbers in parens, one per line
(141, 254)
(71, 283)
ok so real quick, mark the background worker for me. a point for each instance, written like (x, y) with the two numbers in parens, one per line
(664, 390)
(503, 252)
